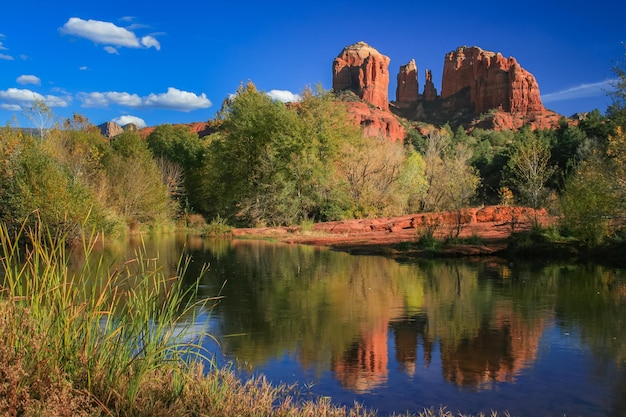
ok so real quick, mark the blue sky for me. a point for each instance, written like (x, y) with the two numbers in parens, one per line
(157, 61)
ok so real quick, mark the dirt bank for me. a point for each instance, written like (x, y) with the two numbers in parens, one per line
(489, 227)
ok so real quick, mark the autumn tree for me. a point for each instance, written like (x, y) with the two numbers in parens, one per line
(452, 181)
(371, 167)
(135, 190)
(40, 116)
(530, 167)
(36, 187)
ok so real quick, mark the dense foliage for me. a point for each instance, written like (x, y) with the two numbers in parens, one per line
(270, 163)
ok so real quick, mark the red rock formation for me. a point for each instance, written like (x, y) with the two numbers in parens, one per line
(407, 90)
(430, 92)
(201, 128)
(110, 129)
(364, 70)
(494, 82)
(376, 122)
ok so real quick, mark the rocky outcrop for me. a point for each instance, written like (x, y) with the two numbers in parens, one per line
(365, 71)
(110, 129)
(201, 128)
(376, 122)
(478, 88)
(407, 90)
(494, 82)
(430, 92)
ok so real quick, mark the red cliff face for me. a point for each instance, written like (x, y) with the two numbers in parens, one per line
(474, 83)
(364, 70)
(494, 82)
(407, 90)
(376, 122)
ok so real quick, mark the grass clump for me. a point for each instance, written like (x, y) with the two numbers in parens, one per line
(218, 227)
(98, 339)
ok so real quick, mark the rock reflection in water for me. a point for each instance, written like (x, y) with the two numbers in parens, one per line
(446, 327)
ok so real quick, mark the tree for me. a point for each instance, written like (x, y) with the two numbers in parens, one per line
(589, 202)
(530, 166)
(371, 167)
(35, 186)
(247, 179)
(41, 116)
(619, 93)
(462, 184)
(594, 199)
(452, 181)
(135, 188)
(179, 153)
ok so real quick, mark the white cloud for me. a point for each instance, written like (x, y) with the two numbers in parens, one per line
(111, 50)
(106, 33)
(126, 119)
(60, 90)
(28, 79)
(284, 95)
(24, 97)
(176, 99)
(97, 99)
(580, 91)
(149, 41)
(173, 99)
(83, 68)
(6, 57)
(2, 48)
(11, 107)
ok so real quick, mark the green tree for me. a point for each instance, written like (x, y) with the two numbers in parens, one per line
(589, 203)
(135, 189)
(179, 153)
(568, 145)
(247, 177)
(35, 186)
(530, 166)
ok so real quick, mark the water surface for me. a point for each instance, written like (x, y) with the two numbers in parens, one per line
(533, 339)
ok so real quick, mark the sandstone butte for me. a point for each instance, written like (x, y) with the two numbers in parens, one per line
(365, 71)
(479, 89)
(494, 82)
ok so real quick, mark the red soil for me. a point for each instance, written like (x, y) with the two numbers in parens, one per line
(493, 225)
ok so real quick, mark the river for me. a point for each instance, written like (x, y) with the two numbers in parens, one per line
(535, 339)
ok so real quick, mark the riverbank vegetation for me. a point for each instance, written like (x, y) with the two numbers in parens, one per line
(267, 164)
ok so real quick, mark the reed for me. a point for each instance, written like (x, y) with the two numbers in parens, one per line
(106, 331)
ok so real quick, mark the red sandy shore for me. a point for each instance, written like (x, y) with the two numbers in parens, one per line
(493, 225)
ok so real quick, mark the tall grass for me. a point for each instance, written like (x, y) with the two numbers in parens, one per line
(106, 331)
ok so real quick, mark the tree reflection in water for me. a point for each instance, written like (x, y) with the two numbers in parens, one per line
(362, 317)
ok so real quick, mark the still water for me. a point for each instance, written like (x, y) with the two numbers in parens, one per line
(533, 339)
